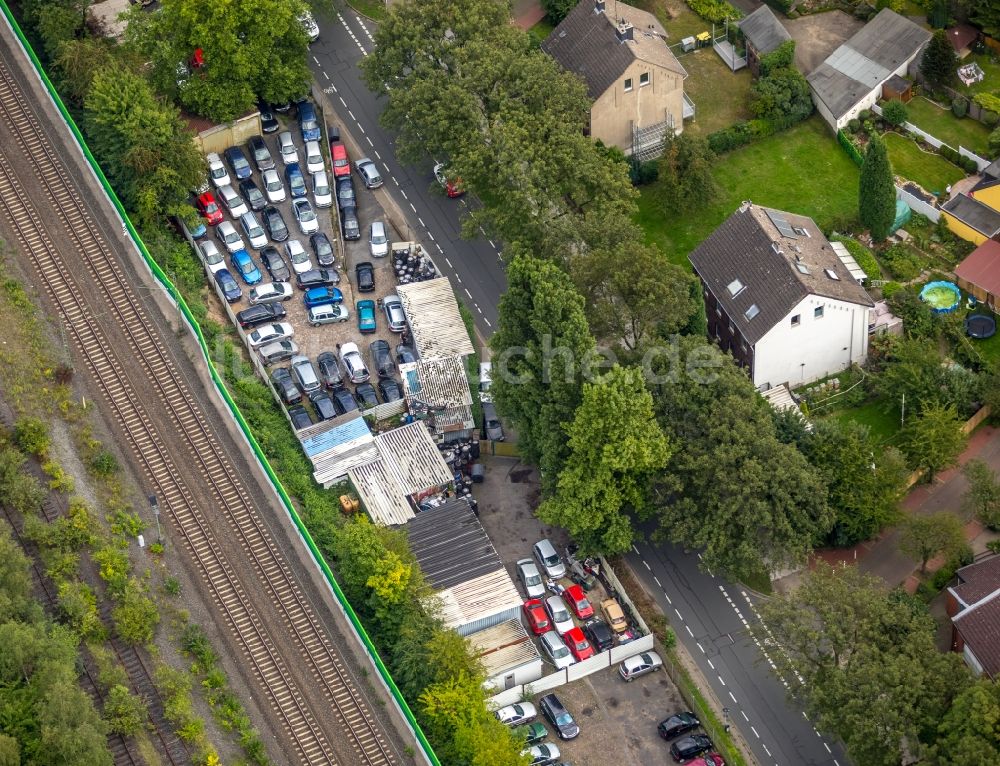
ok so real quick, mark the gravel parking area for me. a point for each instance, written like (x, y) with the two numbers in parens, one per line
(818, 35)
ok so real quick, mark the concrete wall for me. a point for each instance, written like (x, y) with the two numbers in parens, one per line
(235, 133)
(615, 111)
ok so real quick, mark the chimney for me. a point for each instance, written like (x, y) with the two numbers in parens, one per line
(745, 205)
(599, 6)
(624, 31)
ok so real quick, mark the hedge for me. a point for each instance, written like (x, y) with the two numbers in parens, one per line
(988, 101)
(850, 148)
(718, 11)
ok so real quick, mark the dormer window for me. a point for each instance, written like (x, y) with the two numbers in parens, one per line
(644, 79)
(831, 274)
(735, 288)
(628, 84)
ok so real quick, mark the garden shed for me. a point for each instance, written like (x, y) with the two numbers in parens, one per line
(979, 274)
(763, 34)
(898, 88)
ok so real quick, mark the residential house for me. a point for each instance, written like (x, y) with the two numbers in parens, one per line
(851, 78)
(979, 274)
(635, 83)
(974, 607)
(975, 215)
(763, 34)
(779, 298)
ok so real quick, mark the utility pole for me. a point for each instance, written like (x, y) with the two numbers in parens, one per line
(156, 514)
(902, 413)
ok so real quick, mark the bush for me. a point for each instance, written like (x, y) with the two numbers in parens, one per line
(895, 113)
(902, 262)
(988, 101)
(960, 106)
(968, 164)
(854, 125)
(717, 11)
(865, 258)
(782, 57)
(950, 154)
(642, 173)
(990, 118)
(995, 142)
(864, 115)
(733, 137)
(104, 464)
(890, 288)
(32, 436)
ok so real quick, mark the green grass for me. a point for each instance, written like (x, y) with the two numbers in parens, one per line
(801, 170)
(989, 348)
(991, 69)
(883, 422)
(932, 171)
(720, 95)
(542, 29)
(373, 9)
(943, 125)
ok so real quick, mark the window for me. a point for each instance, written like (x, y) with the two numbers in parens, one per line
(644, 79)
(743, 347)
(831, 274)
(718, 311)
(628, 84)
(818, 312)
(803, 269)
(732, 329)
(796, 320)
(751, 312)
(735, 288)
(801, 232)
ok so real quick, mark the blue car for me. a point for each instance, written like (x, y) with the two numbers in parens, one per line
(238, 162)
(366, 316)
(320, 296)
(308, 124)
(228, 285)
(296, 183)
(245, 267)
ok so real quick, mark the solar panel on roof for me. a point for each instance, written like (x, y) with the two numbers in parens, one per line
(783, 227)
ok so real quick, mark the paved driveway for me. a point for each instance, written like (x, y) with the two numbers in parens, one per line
(819, 35)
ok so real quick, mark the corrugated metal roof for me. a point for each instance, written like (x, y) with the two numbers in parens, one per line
(503, 647)
(435, 322)
(381, 494)
(478, 598)
(441, 385)
(451, 545)
(335, 446)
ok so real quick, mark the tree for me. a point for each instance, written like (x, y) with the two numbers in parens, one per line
(15, 580)
(970, 730)
(685, 172)
(982, 496)
(135, 615)
(894, 112)
(924, 537)
(557, 10)
(918, 319)
(10, 751)
(79, 61)
(877, 192)
(914, 368)
(985, 14)
(938, 64)
(614, 446)
(933, 439)
(124, 712)
(782, 97)
(78, 607)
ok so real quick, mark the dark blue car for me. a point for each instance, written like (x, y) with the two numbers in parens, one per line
(238, 162)
(296, 183)
(228, 285)
(320, 296)
(308, 124)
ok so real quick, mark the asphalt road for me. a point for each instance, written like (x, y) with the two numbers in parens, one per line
(707, 612)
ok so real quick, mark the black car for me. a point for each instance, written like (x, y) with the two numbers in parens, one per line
(390, 390)
(683, 750)
(322, 249)
(329, 370)
(365, 274)
(405, 353)
(275, 224)
(300, 417)
(349, 224)
(228, 285)
(365, 394)
(343, 400)
(317, 278)
(382, 357)
(323, 405)
(558, 716)
(268, 122)
(252, 194)
(282, 380)
(276, 267)
(260, 153)
(599, 634)
(677, 724)
(345, 193)
(260, 313)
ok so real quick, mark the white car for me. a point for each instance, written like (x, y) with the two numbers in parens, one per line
(270, 292)
(305, 216)
(354, 365)
(229, 237)
(556, 650)
(527, 573)
(516, 714)
(217, 171)
(234, 202)
(322, 193)
(286, 148)
(270, 333)
(253, 230)
(314, 157)
(562, 621)
(300, 260)
(485, 381)
(309, 25)
(542, 754)
(273, 187)
(211, 256)
(378, 242)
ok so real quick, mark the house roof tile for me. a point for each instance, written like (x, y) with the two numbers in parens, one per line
(763, 30)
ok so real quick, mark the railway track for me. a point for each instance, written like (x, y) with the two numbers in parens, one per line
(96, 272)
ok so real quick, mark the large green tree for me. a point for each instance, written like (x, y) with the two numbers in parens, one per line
(685, 173)
(982, 494)
(939, 62)
(876, 190)
(970, 731)
(914, 369)
(924, 537)
(781, 97)
(933, 439)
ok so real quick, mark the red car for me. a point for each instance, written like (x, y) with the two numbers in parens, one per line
(538, 620)
(341, 165)
(577, 600)
(453, 187)
(709, 759)
(578, 644)
(209, 208)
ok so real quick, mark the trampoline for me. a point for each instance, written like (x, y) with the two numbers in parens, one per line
(942, 297)
(980, 326)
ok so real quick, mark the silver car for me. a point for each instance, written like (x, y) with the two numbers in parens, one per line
(368, 172)
(354, 365)
(640, 665)
(301, 263)
(211, 256)
(394, 315)
(322, 193)
(234, 202)
(270, 292)
(286, 148)
(548, 559)
(278, 352)
(556, 650)
(273, 187)
(527, 573)
(217, 171)
(305, 374)
(305, 216)
(272, 333)
(227, 235)
(253, 230)
(378, 242)
(327, 313)
(314, 157)
(559, 614)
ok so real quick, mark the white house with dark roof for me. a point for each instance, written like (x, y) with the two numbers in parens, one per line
(781, 298)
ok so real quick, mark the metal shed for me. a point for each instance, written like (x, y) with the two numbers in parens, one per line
(508, 655)
(435, 322)
(440, 387)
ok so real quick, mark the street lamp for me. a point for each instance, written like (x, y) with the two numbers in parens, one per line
(725, 716)
(156, 513)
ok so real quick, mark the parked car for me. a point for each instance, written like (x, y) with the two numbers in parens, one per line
(600, 635)
(322, 193)
(283, 383)
(536, 616)
(338, 155)
(614, 615)
(556, 650)
(485, 381)
(677, 724)
(578, 602)
(305, 216)
(270, 292)
(366, 316)
(298, 257)
(354, 365)
(365, 273)
(578, 644)
(270, 333)
(305, 374)
(273, 353)
(405, 354)
(350, 227)
(382, 358)
(228, 285)
(309, 26)
(365, 394)
(516, 714)
(260, 153)
(243, 264)
(639, 665)
(234, 202)
(316, 278)
(686, 748)
(560, 718)
(308, 124)
(260, 313)
(273, 187)
(295, 180)
(548, 559)
(394, 316)
(199, 230)
(491, 423)
(527, 573)
(708, 759)
(300, 417)
(286, 148)
(329, 370)
(274, 264)
(344, 401)
(268, 122)
(345, 192)
(209, 208)
(531, 733)
(327, 313)
(543, 755)
(318, 296)
(275, 224)
(252, 194)
(323, 404)
(562, 621)
(253, 230)
(369, 173)
(217, 171)
(453, 187)
(211, 256)
(314, 157)
(378, 242)
(390, 389)
(238, 162)
(322, 248)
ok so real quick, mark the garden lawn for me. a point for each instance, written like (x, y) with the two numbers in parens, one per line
(989, 348)
(943, 125)
(883, 424)
(932, 171)
(542, 29)
(802, 170)
(991, 68)
(719, 95)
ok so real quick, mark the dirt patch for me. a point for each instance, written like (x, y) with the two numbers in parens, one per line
(819, 35)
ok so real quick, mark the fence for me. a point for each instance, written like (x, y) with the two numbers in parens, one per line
(918, 205)
(980, 162)
(936, 142)
(236, 133)
(173, 294)
(967, 428)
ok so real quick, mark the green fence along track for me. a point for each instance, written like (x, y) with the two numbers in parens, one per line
(193, 325)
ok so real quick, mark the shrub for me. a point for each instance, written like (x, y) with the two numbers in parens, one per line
(949, 154)
(988, 101)
(902, 262)
(717, 11)
(104, 464)
(968, 164)
(895, 113)
(864, 115)
(854, 125)
(642, 173)
(782, 57)
(995, 142)
(733, 137)
(32, 436)
(960, 106)
(861, 254)
(890, 288)
(990, 118)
